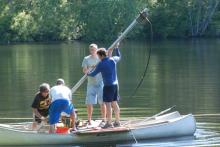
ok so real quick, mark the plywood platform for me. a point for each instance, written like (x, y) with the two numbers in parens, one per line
(100, 130)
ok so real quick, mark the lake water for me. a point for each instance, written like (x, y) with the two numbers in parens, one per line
(185, 73)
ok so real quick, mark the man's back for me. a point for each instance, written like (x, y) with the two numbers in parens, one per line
(60, 92)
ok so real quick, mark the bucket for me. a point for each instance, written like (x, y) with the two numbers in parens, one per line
(62, 130)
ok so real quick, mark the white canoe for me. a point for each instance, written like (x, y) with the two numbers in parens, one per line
(168, 125)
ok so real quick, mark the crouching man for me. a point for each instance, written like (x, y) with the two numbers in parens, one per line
(61, 97)
(40, 105)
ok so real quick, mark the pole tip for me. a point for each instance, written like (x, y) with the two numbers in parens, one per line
(142, 16)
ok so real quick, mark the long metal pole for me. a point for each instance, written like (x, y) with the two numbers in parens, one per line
(139, 19)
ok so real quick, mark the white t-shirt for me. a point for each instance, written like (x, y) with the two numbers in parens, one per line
(60, 92)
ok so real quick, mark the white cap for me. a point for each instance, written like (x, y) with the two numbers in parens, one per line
(93, 45)
(60, 82)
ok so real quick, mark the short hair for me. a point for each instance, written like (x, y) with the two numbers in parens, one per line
(93, 45)
(102, 52)
(44, 87)
(60, 82)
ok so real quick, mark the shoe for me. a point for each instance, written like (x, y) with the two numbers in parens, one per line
(78, 123)
(116, 124)
(89, 123)
(102, 124)
(107, 125)
(73, 130)
(86, 124)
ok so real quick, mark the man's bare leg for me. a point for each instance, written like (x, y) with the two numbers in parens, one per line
(116, 110)
(103, 111)
(73, 120)
(108, 112)
(89, 112)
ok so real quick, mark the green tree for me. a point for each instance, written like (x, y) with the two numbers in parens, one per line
(103, 20)
(200, 15)
(24, 25)
(5, 22)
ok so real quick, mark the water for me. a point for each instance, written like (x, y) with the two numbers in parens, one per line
(184, 73)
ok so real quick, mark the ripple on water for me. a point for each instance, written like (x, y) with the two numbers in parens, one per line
(207, 134)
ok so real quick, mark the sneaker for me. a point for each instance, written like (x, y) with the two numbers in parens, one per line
(102, 124)
(73, 130)
(116, 124)
(89, 123)
(107, 125)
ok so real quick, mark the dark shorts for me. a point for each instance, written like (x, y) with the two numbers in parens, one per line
(110, 93)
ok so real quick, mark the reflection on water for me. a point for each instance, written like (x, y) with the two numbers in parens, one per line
(184, 73)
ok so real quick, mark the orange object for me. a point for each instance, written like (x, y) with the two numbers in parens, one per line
(62, 130)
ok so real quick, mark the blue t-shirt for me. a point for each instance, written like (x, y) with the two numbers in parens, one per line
(107, 67)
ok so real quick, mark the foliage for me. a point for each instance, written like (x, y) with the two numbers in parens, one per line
(24, 25)
(95, 20)
(103, 20)
(200, 15)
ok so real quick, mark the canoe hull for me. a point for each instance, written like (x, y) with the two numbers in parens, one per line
(176, 127)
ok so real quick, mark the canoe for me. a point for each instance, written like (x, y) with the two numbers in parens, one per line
(169, 125)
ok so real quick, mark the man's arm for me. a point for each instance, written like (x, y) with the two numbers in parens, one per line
(35, 111)
(85, 70)
(109, 52)
(85, 66)
(70, 95)
(118, 55)
(94, 72)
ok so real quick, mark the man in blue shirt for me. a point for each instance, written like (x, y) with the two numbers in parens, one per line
(107, 67)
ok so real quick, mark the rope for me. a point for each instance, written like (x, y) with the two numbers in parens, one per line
(147, 63)
(134, 137)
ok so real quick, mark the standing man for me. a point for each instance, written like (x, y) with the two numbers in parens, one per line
(61, 97)
(94, 85)
(107, 67)
(40, 105)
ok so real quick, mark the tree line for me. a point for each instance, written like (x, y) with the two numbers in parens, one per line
(103, 20)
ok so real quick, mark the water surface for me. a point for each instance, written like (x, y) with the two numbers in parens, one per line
(184, 73)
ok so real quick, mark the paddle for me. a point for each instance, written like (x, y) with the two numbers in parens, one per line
(15, 118)
(158, 114)
(139, 19)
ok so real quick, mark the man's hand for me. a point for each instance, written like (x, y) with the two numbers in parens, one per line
(117, 45)
(109, 52)
(93, 66)
(85, 70)
(43, 118)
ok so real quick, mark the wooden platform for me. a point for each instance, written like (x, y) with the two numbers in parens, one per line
(99, 130)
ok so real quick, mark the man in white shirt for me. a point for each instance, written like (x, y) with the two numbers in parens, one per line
(61, 97)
